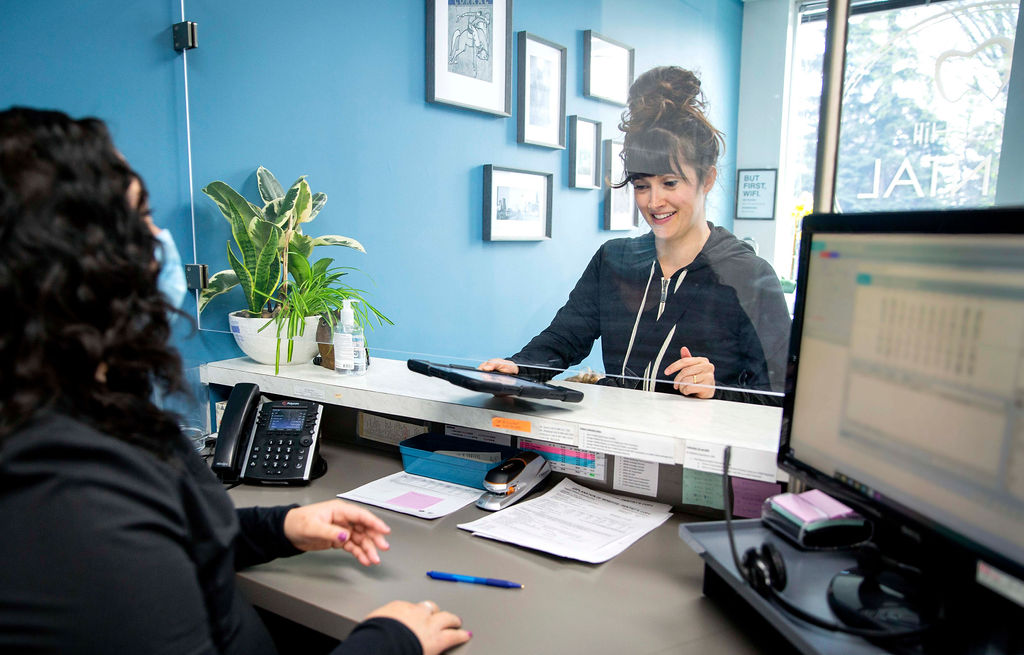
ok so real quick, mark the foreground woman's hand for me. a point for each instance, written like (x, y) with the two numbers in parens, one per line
(437, 630)
(337, 524)
(694, 376)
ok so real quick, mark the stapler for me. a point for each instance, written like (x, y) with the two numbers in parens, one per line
(512, 479)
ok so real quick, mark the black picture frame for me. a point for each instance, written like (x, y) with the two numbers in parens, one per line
(607, 68)
(620, 212)
(517, 204)
(755, 193)
(471, 66)
(584, 153)
(541, 105)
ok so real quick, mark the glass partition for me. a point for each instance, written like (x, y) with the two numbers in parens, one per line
(457, 243)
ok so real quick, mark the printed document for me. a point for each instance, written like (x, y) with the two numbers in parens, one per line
(403, 492)
(573, 521)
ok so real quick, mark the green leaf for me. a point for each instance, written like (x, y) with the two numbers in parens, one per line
(336, 240)
(303, 203)
(268, 268)
(319, 200)
(288, 202)
(301, 244)
(298, 266)
(240, 231)
(231, 203)
(221, 282)
(270, 188)
(263, 232)
(244, 279)
(321, 266)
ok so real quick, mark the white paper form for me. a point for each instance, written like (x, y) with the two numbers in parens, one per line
(573, 521)
(402, 492)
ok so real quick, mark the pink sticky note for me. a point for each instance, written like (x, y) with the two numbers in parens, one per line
(748, 495)
(414, 500)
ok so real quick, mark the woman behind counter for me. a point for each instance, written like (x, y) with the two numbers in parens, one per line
(687, 307)
(117, 537)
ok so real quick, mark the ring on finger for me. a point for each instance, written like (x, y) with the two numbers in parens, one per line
(695, 379)
(430, 605)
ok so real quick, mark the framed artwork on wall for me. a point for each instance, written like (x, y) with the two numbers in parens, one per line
(607, 68)
(620, 211)
(541, 92)
(469, 55)
(584, 153)
(517, 204)
(755, 193)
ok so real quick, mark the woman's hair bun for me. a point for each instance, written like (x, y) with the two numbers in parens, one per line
(667, 101)
(662, 92)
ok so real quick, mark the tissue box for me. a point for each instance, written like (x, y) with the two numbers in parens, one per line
(452, 459)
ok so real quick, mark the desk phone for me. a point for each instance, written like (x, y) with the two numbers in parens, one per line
(273, 442)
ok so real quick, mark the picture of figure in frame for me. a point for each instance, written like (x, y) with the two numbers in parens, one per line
(470, 38)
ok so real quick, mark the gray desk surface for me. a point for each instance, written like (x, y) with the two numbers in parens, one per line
(647, 600)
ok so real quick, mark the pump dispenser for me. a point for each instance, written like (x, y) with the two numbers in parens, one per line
(349, 343)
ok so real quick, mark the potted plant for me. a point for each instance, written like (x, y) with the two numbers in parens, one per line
(272, 248)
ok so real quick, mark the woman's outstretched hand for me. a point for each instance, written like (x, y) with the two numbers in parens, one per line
(694, 376)
(437, 630)
(500, 365)
(337, 524)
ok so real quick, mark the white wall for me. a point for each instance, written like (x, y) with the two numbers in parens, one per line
(764, 67)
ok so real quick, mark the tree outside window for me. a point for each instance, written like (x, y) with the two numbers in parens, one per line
(924, 96)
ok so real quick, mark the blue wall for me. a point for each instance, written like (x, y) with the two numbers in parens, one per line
(336, 91)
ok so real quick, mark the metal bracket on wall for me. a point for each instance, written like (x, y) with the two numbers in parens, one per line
(185, 37)
(197, 277)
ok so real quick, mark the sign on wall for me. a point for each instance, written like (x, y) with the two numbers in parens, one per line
(755, 193)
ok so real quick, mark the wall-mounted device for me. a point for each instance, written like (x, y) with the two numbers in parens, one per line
(273, 442)
(509, 481)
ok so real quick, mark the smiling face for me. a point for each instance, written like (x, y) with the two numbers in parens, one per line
(673, 204)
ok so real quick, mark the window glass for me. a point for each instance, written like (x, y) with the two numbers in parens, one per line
(924, 97)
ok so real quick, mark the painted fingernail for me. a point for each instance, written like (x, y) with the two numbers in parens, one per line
(342, 536)
(469, 633)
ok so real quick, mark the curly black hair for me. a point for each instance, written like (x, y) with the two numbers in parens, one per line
(87, 328)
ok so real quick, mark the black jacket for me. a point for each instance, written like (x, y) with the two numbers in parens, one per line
(108, 549)
(727, 306)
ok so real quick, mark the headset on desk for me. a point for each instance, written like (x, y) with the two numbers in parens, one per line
(765, 571)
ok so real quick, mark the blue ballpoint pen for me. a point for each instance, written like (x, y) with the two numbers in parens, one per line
(455, 577)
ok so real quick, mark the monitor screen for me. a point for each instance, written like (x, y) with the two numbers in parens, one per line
(907, 386)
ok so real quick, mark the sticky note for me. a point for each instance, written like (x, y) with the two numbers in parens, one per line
(748, 495)
(702, 488)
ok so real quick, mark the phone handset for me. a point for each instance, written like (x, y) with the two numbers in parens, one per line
(235, 429)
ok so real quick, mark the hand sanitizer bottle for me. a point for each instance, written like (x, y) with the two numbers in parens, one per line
(349, 343)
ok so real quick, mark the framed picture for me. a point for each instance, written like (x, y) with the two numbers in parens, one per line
(517, 204)
(469, 54)
(541, 91)
(607, 68)
(584, 153)
(755, 193)
(620, 212)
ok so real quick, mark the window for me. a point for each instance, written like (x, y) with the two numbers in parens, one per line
(924, 96)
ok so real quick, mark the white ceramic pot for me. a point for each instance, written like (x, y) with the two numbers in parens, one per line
(263, 346)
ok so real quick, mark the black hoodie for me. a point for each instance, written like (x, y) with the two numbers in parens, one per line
(727, 306)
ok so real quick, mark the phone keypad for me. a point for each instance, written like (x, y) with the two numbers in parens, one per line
(282, 454)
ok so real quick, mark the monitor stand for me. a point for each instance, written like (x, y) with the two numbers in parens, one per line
(880, 600)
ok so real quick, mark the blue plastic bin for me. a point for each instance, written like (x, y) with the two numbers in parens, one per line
(419, 457)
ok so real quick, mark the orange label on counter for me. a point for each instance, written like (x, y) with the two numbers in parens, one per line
(510, 424)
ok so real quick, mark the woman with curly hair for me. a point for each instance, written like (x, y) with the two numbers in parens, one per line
(118, 538)
(687, 307)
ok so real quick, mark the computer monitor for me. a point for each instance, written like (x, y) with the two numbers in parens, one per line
(905, 390)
